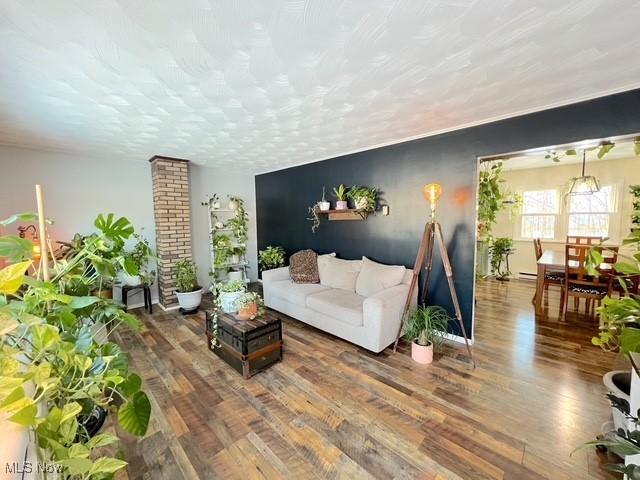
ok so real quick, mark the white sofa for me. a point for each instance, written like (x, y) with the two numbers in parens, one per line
(371, 321)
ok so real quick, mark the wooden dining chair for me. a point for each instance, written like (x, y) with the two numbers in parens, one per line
(577, 281)
(578, 240)
(550, 278)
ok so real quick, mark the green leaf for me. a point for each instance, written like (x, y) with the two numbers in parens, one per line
(571, 151)
(119, 362)
(83, 302)
(22, 217)
(77, 466)
(133, 416)
(25, 416)
(101, 440)
(7, 324)
(636, 147)
(630, 340)
(69, 411)
(78, 450)
(604, 149)
(117, 230)
(12, 277)
(15, 248)
(131, 385)
(106, 465)
(16, 395)
(44, 336)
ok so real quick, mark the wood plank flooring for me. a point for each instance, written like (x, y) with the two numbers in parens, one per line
(333, 410)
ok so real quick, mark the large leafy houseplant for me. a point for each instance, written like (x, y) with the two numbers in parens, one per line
(490, 198)
(55, 374)
(364, 198)
(271, 257)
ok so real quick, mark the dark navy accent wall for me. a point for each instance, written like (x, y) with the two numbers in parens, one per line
(400, 171)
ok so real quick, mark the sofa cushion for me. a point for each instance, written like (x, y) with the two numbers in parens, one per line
(375, 277)
(303, 267)
(340, 304)
(295, 293)
(338, 273)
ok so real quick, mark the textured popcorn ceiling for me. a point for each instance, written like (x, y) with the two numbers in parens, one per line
(264, 84)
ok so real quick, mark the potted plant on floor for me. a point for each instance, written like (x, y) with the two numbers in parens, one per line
(58, 379)
(500, 248)
(249, 306)
(364, 198)
(188, 291)
(229, 293)
(426, 329)
(271, 257)
(341, 196)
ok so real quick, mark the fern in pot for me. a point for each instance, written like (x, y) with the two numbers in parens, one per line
(188, 291)
(426, 329)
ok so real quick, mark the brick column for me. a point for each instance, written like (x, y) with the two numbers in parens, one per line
(171, 206)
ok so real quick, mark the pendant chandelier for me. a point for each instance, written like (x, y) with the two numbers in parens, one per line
(584, 184)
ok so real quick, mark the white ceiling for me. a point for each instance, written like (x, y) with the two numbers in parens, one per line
(259, 85)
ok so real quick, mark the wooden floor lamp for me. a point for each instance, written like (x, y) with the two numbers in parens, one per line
(432, 234)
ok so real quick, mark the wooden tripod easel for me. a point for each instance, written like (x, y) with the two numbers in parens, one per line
(433, 233)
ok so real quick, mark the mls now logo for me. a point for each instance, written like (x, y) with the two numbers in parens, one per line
(30, 467)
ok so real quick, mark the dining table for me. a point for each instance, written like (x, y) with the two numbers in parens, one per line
(552, 261)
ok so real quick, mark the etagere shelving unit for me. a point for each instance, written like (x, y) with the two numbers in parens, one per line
(227, 239)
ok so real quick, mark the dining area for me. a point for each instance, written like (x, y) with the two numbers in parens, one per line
(567, 269)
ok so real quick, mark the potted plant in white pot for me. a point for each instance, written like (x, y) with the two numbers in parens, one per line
(323, 204)
(426, 329)
(229, 293)
(364, 198)
(188, 291)
(341, 197)
(249, 306)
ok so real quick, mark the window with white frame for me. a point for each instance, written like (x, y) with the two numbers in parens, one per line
(590, 215)
(540, 210)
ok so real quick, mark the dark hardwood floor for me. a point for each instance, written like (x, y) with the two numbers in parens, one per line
(333, 410)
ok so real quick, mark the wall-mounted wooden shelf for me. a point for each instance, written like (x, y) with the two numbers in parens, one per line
(348, 214)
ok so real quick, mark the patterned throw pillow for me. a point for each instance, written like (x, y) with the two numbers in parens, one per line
(303, 267)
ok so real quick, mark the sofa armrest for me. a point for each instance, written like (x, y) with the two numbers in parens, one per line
(275, 275)
(382, 313)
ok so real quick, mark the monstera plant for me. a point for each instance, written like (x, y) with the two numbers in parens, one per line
(59, 373)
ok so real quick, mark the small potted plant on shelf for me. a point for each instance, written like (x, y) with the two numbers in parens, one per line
(426, 329)
(323, 204)
(364, 198)
(137, 260)
(229, 293)
(341, 196)
(188, 291)
(271, 257)
(249, 306)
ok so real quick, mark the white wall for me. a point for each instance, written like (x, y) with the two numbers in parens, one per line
(76, 190)
(206, 180)
(620, 172)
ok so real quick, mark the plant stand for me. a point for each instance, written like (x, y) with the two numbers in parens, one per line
(215, 216)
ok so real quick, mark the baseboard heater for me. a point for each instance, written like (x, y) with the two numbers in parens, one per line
(527, 275)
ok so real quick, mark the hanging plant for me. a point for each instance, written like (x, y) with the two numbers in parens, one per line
(239, 223)
(314, 217)
(490, 198)
(635, 202)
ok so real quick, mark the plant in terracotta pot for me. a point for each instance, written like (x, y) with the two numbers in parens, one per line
(188, 291)
(426, 329)
(228, 294)
(249, 306)
(341, 196)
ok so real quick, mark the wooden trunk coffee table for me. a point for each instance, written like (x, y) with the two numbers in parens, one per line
(248, 346)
